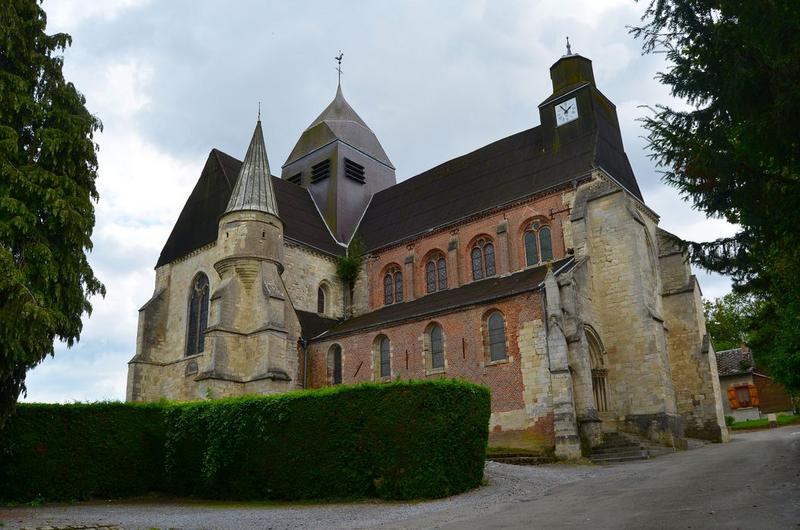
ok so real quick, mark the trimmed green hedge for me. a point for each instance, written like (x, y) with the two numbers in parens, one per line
(400, 440)
(65, 452)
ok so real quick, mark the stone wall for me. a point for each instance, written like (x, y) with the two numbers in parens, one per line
(619, 298)
(305, 271)
(160, 367)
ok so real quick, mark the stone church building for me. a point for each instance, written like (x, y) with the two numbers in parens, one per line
(531, 265)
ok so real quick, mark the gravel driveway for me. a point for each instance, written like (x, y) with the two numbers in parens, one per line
(506, 484)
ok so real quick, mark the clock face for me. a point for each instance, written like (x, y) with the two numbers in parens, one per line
(566, 111)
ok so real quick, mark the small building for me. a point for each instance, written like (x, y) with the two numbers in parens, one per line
(747, 393)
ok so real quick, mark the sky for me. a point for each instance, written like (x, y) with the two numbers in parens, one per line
(171, 80)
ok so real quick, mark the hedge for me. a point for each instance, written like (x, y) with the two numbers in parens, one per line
(403, 440)
(66, 452)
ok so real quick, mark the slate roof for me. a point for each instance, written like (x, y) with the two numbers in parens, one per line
(312, 324)
(339, 122)
(198, 222)
(504, 171)
(734, 362)
(253, 189)
(478, 292)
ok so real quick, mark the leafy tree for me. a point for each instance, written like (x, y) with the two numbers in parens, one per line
(48, 166)
(728, 320)
(735, 153)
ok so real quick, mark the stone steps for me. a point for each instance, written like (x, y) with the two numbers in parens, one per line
(617, 447)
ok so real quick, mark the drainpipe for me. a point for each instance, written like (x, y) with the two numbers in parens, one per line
(304, 346)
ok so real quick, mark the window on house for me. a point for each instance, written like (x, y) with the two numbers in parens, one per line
(321, 300)
(392, 285)
(482, 257)
(538, 244)
(436, 274)
(198, 315)
(497, 336)
(437, 347)
(335, 364)
(384, 357)
(743, 396)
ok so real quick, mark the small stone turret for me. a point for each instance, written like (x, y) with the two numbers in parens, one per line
(249, 311)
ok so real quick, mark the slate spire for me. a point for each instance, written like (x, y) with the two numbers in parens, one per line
(253, 188)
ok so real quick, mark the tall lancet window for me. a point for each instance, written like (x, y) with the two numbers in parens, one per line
(198, 315)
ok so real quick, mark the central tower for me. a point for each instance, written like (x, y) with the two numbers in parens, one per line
(341, 162)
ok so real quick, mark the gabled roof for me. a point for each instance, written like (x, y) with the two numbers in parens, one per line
(494, 175)
(339, 122)
(734, 362)
(253, 189)
(478, 292)
(197, 224)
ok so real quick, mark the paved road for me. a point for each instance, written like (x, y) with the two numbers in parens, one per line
(752, 482)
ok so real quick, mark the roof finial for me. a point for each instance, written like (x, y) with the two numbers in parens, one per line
(569, 48)
(338, 59)
(259, 111)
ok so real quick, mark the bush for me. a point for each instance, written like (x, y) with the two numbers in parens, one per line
(729, 420)
(396, 441)
(66, 452)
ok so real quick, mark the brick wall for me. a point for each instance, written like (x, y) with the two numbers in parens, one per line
(521, 406)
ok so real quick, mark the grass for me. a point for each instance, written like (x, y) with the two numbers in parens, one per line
(783, 419)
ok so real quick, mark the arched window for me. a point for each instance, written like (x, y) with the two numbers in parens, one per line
(437, 347)
(383, 357)
(321, 300)
(198, 315)
(497, 336)
(392, 286)
(538, 244)
(335, 365)
(482, 257)
(436, 274)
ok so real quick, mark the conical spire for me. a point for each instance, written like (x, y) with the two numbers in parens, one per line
(253, 188)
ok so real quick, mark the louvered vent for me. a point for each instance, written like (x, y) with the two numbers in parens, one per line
(354, 171)
(295, 179)
(321, 171)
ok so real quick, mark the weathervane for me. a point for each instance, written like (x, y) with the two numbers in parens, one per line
(338, 59)
(259, 111)
(569, 48)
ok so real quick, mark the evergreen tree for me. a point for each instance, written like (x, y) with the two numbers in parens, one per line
(735, 154)
(48, 167)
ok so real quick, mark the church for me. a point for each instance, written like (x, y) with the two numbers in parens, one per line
(531, 265)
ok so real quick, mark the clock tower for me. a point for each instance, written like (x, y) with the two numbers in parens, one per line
(576, 116)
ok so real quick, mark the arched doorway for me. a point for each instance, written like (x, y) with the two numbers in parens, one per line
(599, 366)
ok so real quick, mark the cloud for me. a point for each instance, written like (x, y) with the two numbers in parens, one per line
(434, 80)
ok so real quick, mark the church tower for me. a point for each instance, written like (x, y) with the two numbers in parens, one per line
(341, 162)
(248, 330)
